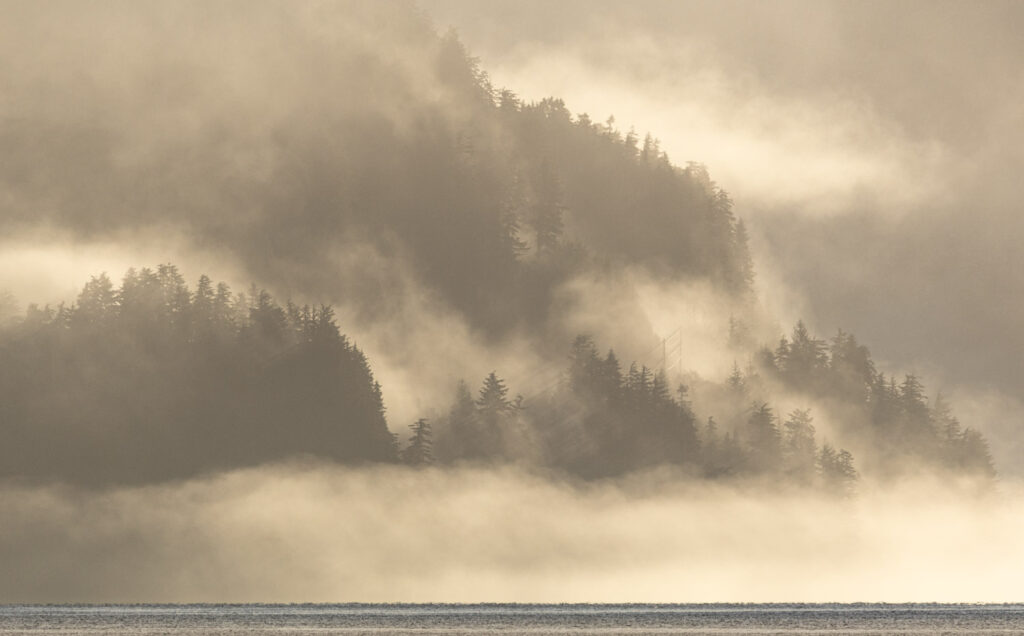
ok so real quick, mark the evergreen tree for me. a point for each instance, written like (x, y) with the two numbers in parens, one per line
(914, 426)
(850, 366)
(948, 428)
(493, 399)
(155, 383)
(736, 383)
(805, 358)
(974, 457)
(585, 367)
(836, 471)
(799, 449)
(762, 436)
(96, 304)
(419, 451)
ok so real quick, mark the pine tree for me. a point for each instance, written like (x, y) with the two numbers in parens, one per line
(947, 426)
(806, 359)
(762, 436)
(836, 471)
(736, 383)
(914, 431)
(96, 304)
(419, 452)
(975, 458)
(611, 378)
(493, 400)
(850, 367)
(799, 449)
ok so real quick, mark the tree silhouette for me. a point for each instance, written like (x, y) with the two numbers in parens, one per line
(419, 451)
(493, 401)
(836, 471)
(762, 437)
(151, 381)
(799, 448)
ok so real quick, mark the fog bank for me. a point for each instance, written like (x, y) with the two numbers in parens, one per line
(307, 532)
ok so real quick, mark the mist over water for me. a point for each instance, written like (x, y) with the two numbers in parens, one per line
(405, 224)
(320, 533)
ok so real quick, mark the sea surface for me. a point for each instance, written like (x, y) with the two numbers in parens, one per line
(296, 620)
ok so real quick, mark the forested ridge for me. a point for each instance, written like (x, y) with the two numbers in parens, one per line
(152, 380)
(417, 168)
(403, 152)
(602, 420)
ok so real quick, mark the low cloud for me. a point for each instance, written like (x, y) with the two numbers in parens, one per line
(308, 532)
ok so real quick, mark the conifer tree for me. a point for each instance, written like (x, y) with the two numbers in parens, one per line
(419, 452)
(836, 471)
(736, 383)
(799, 449)
(493, 400)
(762, 436)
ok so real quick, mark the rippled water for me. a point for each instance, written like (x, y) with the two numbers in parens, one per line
(513, 619)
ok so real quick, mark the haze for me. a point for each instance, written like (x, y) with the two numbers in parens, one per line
(391, 217)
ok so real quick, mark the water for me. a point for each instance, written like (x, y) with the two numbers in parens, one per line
(861, 619)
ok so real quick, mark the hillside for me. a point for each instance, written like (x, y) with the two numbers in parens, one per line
(364, 159)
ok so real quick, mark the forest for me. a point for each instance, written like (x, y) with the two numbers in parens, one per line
(489, 202)
(153, 381)
(418, 169)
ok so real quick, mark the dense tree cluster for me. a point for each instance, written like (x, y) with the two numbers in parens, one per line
(404, 153)
(500, 205)
(602, 422)
(152, 380)
(489, 201)
(893, 417)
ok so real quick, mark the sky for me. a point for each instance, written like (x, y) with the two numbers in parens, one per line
(873, 147)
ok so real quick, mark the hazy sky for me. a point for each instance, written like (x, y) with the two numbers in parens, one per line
(875, 148)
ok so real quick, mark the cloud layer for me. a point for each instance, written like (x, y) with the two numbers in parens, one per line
(315, 533)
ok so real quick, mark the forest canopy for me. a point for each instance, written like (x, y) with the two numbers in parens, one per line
(152, 380)
(369, 175)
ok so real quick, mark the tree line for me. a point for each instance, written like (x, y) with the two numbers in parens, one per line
(152, 381)
(491, 202)
(603, 421)
(893, 415)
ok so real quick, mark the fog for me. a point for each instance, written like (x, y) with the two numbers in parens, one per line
(873, 148)
(308, 532)
(342, 153)
(197, 136)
